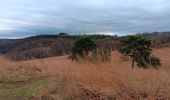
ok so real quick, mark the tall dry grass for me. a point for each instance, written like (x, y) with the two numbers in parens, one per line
(84, 80)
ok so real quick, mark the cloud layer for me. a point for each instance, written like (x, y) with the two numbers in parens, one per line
(20, 18)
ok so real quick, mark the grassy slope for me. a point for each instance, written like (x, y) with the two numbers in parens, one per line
(60, 78)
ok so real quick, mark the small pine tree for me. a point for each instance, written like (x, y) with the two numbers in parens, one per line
(82, 48)
(87, 49)
(139, 49)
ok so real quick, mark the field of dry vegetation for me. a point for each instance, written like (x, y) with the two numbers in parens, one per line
(58, 78)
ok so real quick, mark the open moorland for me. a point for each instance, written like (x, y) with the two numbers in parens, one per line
(58, 78)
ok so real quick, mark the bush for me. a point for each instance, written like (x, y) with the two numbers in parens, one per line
(155, 61)
(83, 47)
(87, 49)
(101, 55)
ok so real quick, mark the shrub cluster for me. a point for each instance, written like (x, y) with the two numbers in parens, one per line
(85, 48)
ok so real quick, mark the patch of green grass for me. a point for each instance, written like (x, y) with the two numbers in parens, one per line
(25, 91)
(20, 91)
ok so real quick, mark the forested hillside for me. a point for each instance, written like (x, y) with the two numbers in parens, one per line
(56, 45)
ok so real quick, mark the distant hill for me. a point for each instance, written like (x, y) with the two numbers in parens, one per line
(49, 45)
(56, 45)
(6, 41)
(159, 39)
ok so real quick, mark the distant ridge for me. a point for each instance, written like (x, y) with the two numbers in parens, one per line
(57, 45)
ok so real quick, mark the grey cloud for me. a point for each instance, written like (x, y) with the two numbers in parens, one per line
(30, 17)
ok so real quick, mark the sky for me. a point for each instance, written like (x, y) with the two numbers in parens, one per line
(22, 18)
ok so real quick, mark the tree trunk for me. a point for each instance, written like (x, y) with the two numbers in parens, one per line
(133, 63)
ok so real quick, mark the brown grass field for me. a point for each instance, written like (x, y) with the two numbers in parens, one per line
(59, 78)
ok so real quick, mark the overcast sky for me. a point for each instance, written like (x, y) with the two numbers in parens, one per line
(20, 18)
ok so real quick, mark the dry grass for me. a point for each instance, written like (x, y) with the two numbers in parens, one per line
(114, 80)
